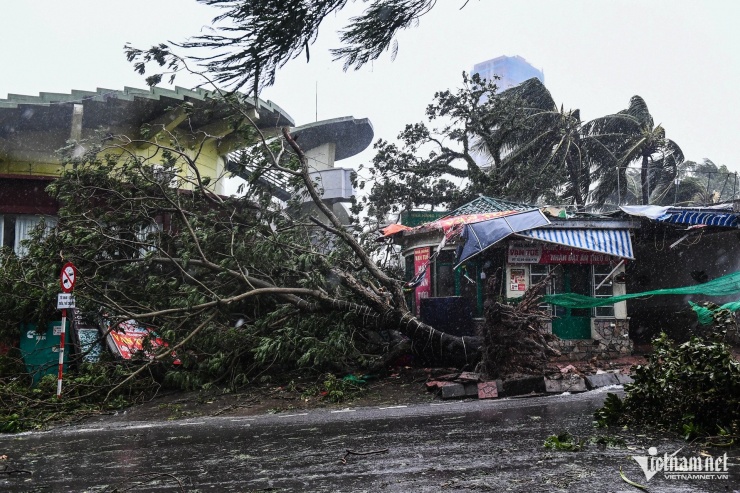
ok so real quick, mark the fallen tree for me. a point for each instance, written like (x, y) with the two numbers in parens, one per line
(237, 284)
(514, 338)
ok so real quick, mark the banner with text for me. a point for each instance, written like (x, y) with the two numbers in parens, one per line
(550, 253)
(424, 290)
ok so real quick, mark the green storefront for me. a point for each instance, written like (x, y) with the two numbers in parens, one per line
(40, 350)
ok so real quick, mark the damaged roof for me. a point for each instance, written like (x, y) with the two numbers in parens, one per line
(485, 205)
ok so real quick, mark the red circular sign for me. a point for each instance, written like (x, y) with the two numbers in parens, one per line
(67, 277)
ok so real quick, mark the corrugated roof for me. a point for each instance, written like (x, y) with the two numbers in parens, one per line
(483, 205)
(101, 94)
(161, 98)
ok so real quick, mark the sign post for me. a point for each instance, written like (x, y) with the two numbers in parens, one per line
(65, 300)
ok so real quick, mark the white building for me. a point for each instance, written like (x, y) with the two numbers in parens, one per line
(512, 70)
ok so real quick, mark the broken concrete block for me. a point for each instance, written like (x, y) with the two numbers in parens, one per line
(524, 385)
(487, 390)
(471, 390)
(569, 383)
(453, 391)
(601, 380)
(467, 375)
(623, 378)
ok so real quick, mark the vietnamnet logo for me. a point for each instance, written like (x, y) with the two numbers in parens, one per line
(679, 467)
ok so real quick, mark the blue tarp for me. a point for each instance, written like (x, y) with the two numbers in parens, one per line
(481, 235)
(710, 218)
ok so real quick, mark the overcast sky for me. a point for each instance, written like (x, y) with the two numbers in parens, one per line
(681, 56)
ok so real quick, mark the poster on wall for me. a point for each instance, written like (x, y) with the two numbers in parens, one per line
(89, 344)
(517, 280)
(550, 253)
(424, 290)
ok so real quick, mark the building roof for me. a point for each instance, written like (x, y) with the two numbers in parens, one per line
(350, 135)
(268, 111)
(32, 128)
(485, 205)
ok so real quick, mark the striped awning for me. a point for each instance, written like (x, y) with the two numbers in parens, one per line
(614, 242)
(709, 218)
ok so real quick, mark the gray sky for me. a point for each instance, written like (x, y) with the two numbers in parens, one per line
(681, 56)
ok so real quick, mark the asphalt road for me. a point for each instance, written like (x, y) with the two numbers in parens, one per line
(462, 446)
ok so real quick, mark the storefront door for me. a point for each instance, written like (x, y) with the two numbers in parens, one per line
(573, 323)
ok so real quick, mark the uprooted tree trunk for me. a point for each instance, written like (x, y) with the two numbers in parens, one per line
(389, 310)
(514, 337)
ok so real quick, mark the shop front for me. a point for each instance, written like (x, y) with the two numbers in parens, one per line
(585, 257)
(576, 271)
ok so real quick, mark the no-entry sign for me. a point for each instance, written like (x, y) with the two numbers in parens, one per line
(65, 300)
(68, 277)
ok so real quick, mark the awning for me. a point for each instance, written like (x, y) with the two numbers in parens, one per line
(720, 215)
(614, 242)
(724, 219)
(391, 230)
(481, 235)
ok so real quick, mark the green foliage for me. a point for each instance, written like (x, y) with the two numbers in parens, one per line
(565, 441)
(534, 151)
(631, 136)
(692, 388)
(698, 184)
(569, 443)
(184, 262)
(335, 389)
(250, 41)
(608, 441)
(83, 394)
(305, 341)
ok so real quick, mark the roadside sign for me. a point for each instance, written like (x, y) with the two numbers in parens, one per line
(65, 300)
(67, 277)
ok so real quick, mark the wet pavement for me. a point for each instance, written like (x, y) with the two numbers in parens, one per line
(476, 446)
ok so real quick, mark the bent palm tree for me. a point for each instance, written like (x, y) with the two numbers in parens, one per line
(632, 136)
(548, 141)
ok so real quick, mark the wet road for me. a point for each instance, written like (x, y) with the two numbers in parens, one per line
(460, 446)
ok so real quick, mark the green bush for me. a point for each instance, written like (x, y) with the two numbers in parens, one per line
(691, 388)
(84, 393)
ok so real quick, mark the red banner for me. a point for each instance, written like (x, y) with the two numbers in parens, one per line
(421, 261)
(550, 253)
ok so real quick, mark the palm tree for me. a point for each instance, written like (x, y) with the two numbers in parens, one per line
(631, 136)
(545, 140)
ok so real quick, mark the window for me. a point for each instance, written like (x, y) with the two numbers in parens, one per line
(537, 273)
(148, 236)
(571, 276)
(14, 229)
(604, 291)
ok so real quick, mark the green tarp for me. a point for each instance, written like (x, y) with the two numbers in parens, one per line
(722, 286)
(705, 314)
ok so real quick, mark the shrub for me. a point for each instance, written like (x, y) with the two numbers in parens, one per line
(692, 388)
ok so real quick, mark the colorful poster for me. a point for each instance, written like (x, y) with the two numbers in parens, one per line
(128, 338)
(517, 280)
(550, 253)
(421, 262)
